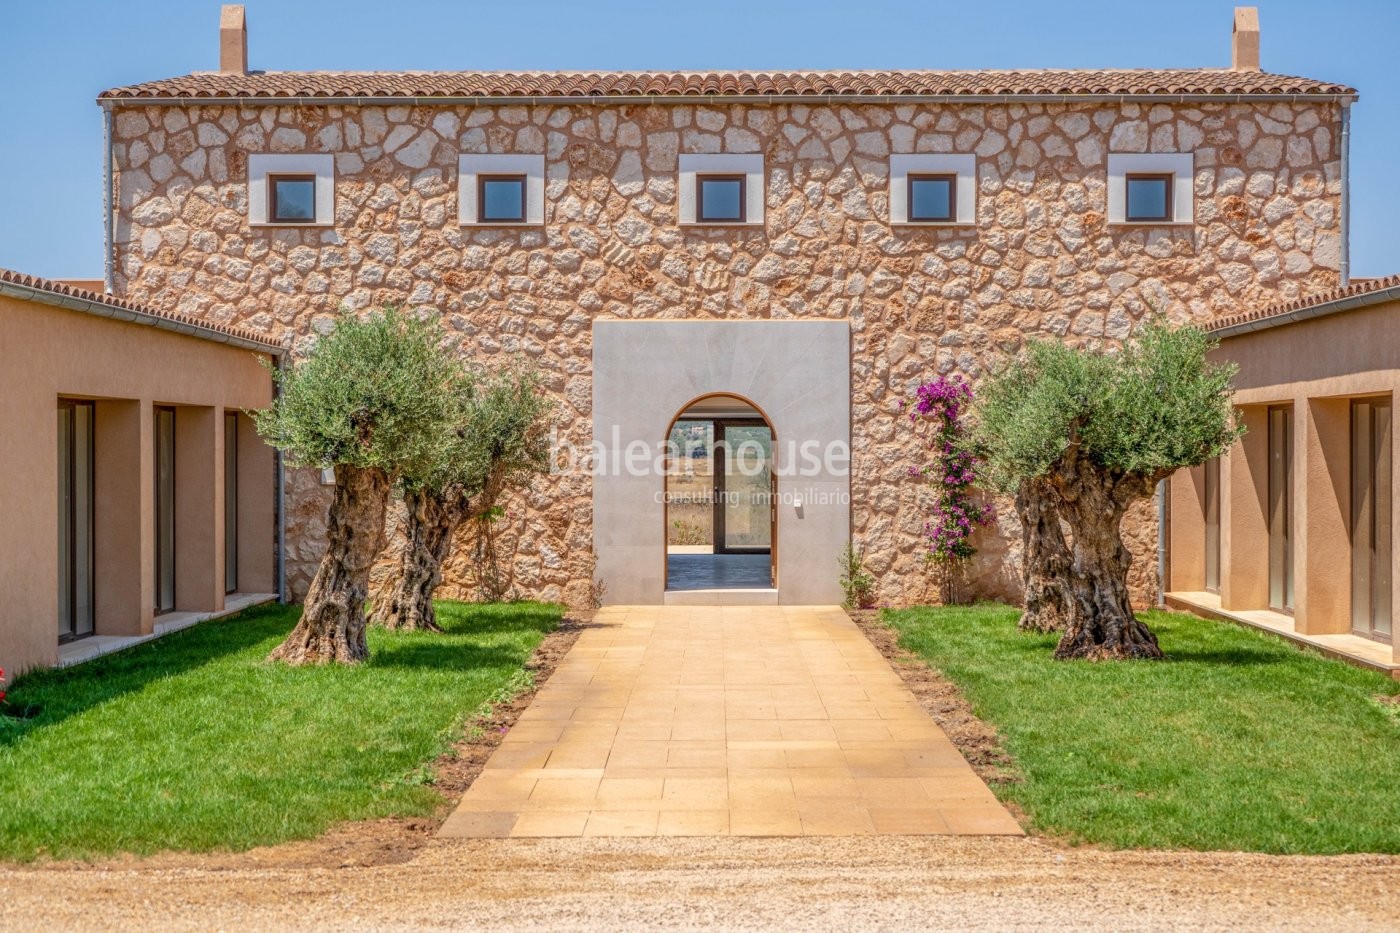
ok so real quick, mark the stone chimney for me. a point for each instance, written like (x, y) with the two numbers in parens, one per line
(233, 40)
(1244, 43)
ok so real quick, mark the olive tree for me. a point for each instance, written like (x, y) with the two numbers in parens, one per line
(1092, 432)
(375, 399)
(497, 444)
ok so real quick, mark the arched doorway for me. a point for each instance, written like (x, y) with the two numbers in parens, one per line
(721, 497)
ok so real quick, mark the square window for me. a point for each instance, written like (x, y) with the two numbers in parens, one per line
(500, 199)
(719, 198)
(933, 197)
(1149, 197)
(291, 199)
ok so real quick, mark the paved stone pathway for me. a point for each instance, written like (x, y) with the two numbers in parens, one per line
(712, 721)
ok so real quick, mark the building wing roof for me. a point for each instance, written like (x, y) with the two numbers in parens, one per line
(57, 294)
(666, 85)
(1358, 294)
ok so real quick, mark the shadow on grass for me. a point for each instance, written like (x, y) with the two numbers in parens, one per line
(441, 654)
(48, 697)
(54, 695)
(480, 618)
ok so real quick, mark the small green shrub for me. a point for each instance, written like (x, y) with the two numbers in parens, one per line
(856, 581)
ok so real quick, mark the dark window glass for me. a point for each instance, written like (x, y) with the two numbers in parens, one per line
(76, 495)
(1149, 197)
(501, 198)
(165, 508)
(230, 501)
(720, 198)
(932, 197)
(293, 199)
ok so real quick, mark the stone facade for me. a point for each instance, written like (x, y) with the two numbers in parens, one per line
(1040, 260)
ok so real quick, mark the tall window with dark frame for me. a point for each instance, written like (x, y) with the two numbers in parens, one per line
(76, 543)
(719, 199)
(165, 508)
(291, 199)
(230, 501)
(1148, 198)
(1281, 508)
(500, 199)
(1212, 517)
(1372, 555)
(933, 198)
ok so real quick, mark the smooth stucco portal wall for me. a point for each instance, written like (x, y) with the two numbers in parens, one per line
(646, 372)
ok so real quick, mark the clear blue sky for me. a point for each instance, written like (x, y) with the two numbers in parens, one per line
(60, 53)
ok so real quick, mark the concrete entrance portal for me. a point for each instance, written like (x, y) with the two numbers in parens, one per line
(793, 379)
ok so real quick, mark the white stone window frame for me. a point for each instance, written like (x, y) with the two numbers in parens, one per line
(261, 165)
(471, 166)
(1180, 165)
(962, 165)
(693, 165)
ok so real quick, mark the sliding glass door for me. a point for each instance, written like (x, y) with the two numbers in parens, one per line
(165, 509)
(75, 519)
(745, 515)
(1281, 508)
(1371, 550)
(230, 501)
(1212, 496)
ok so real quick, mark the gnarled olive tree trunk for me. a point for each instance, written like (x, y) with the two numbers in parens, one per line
(431, 520)
(332, 626)
(1045, 559)
(1101, 622)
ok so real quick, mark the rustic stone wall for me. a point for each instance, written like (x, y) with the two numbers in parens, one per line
(1040, 261)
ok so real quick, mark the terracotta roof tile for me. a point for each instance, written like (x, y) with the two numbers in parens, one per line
(58, 290)
(1356, 289)
(674, 84)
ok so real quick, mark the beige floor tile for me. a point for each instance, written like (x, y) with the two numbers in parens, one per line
(501, 785)
(753, 729)
(804, 786)
(578, 756)
(632, 789)
(621, 823)
(909, 822)
(764, 822)
(756, 758)
(815, 758)
(466, 824)
(713, 720)
(693, 823)
(551, 823)
(518, 755)
(981, 820)
(688, 755)
(569, 790)
(852, 822)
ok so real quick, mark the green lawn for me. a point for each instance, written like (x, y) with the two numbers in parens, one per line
(1238, 741)
(195, 742)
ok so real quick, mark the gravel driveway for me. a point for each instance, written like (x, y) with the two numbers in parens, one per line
(852, 883)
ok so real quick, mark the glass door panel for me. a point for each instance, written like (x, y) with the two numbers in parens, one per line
(165, 508)
(1212, 491)
(690, 488)
(230, 501)
(1371, 551)
(748, 479)
(1281, 508)
(1383, 563)
(76, 554)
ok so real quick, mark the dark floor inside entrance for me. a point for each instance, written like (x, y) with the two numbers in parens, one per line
(717, 571)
